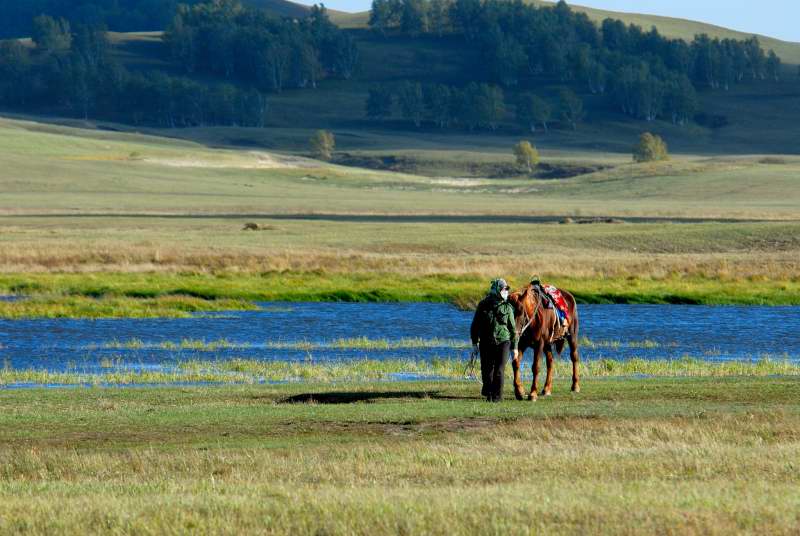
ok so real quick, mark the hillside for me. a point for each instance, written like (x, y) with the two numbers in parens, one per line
(668, 26)
(758, 117)
(284, 8)
(762, 117)
(108, 167)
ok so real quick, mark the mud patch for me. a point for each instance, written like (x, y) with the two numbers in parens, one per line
(466, 170)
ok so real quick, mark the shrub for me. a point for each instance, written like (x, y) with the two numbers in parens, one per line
(322, 144)
(651, 148)
(526, 154)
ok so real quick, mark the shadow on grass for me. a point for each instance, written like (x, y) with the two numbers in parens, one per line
(351, 397)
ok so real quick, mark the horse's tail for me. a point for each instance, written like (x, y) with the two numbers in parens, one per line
(575, 324)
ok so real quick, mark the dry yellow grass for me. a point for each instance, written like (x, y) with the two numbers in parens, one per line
(457, 246)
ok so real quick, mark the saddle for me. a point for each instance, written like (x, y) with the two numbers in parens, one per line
(551, 298)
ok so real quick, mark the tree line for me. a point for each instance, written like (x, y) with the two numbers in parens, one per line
(473, 107)
(245, 52)
(71, 71)
(226, 40)
(116, 15)
(642, 73)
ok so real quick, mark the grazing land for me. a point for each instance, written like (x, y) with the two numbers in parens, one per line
(711, 456)
(150, 226)
(102, 220)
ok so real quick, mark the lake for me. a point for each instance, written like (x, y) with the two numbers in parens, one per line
(305, 331)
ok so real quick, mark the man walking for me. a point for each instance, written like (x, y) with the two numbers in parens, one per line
(494, 336)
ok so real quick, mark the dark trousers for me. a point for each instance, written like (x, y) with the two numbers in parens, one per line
(493, 368)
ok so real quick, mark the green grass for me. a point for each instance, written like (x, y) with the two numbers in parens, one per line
(140, 295)
(688, 456)
(88, 306)
(114, 371)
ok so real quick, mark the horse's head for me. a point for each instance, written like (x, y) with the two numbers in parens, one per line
(525, 303)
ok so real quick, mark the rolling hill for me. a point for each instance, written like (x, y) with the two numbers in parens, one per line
(668, 26)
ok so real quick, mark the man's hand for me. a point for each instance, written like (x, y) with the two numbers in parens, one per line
(516, 354)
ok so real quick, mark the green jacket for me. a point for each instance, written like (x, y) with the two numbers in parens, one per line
(494, 322)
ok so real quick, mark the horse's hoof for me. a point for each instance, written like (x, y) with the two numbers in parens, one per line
(532, 397)
(547, 393)
(576, 388)
(519, 396)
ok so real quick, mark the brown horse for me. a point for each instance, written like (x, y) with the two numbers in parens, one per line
(538, 328)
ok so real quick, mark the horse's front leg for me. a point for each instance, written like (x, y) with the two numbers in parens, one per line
(537, 346)
(516, 364)
(548, 383)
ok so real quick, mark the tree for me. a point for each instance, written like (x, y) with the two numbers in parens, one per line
(438, 16)
(412, 103)
(380, 102)
(14, 66)
(680, 99)
(488, 105)
(414, 17)
(755, 57)
(506, 60)
(532, 110)
(322, 144)
(50, 34)
(383, 15)
(597, 77)
(570, 107)
(437, 103)
(651, 148)
(773, 66)
(345, 56)
(465, 16)
(526, 155)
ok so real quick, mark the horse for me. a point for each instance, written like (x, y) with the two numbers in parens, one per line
(538, 328)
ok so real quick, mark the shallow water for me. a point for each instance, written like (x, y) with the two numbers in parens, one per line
(614, 331)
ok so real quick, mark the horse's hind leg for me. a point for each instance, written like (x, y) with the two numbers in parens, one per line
(573, 355)
(548, 384)
(515, 364)
(538, 346)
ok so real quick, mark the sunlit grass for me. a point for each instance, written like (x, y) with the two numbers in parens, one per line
(646, 344)
(111, 306)
(150, 295)
(357, 343)
(636, 456)
(114, 371)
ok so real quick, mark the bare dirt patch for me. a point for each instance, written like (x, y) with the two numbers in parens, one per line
(249, 160)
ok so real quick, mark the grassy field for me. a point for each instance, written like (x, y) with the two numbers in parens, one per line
(59, 169)
(688, 456)
(124, 206)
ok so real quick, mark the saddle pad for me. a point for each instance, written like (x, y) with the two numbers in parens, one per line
(558, 299)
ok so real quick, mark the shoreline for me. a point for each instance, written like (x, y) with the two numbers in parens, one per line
(176, 295)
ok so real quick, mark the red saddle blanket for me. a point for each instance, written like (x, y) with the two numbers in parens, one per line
(558, 300)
